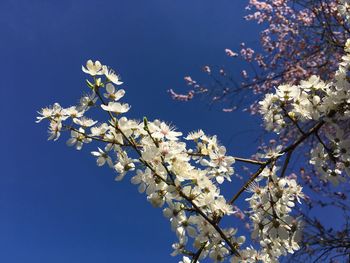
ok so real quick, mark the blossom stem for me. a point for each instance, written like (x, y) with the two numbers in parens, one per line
(288, 149)
(239, 159)
(213, 223)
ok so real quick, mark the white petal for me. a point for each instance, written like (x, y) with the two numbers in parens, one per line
(101, 161)
(110, 88)
(220, 179)
(120, 177)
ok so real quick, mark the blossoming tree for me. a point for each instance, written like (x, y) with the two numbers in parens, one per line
(299, 39)
(301, 42)
(183, 175)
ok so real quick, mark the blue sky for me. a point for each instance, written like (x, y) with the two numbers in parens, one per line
(56, 204)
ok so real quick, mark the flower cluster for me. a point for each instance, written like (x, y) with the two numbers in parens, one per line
(184, 181)
(344, 9)
(271, 206)
(181, 174)
(326, 103)
(301, 45)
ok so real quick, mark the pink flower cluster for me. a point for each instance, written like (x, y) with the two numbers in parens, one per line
(298, 39)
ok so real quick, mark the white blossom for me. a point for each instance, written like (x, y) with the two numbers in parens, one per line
(116, 107)
(112, 94)
(78, 138)
(102, 158)
(93, 68)
(111, 75)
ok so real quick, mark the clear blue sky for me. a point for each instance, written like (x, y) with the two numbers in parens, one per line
(56, 204)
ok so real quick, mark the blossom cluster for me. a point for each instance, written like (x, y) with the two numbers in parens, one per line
(291, 44)
(298, 39)
(273, 225)
(301, 47)
(344, 9)
(316, 101)
(181, 174)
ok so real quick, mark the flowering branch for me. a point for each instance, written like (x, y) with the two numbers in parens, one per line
(186, 180)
